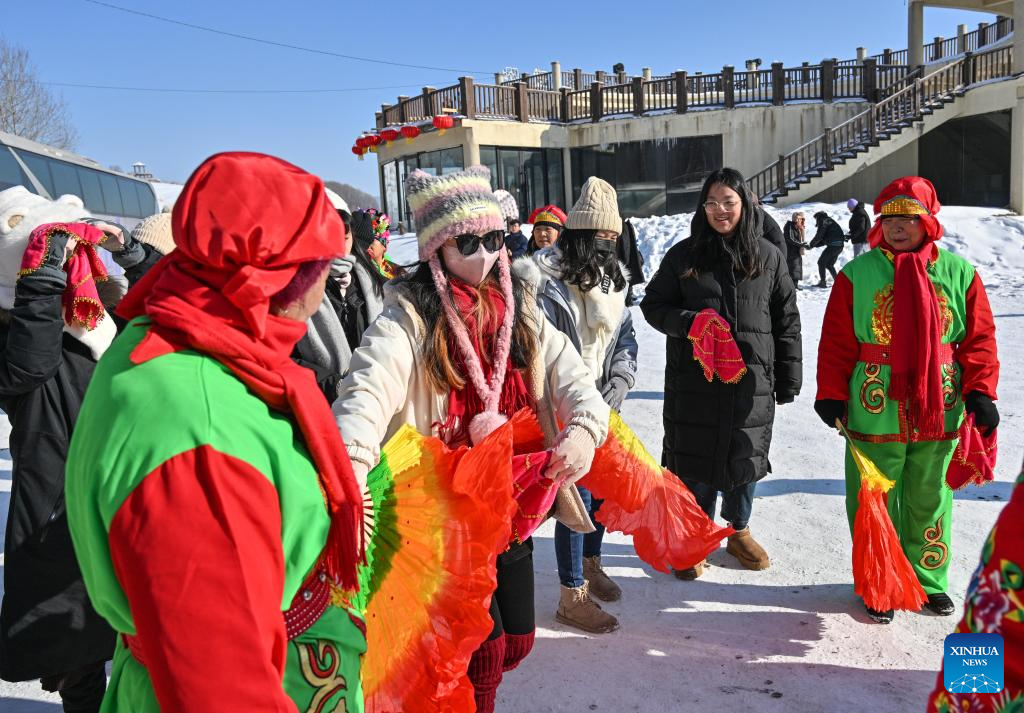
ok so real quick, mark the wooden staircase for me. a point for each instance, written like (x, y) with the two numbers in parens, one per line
(869, 135)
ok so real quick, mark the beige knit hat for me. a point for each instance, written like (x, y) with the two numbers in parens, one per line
(597, 208)
(155, 231)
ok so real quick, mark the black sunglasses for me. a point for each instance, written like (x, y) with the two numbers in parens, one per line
(468, 244)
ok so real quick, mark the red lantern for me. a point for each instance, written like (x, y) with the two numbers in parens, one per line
(358, 151)
(362, 142)
(410, 133)
(443, 123)
(389, 135)
(372, 141)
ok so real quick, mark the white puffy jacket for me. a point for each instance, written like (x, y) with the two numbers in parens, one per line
(388, 386)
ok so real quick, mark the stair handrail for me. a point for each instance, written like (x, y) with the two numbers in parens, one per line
(918, 92)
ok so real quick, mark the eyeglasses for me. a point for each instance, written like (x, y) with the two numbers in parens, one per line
(713, 206)
(468, 244)
(900, 221)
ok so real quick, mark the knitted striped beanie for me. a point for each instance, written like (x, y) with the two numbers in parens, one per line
(450, 205)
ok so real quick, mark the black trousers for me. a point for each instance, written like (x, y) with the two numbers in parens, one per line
(80, 691)
(512, 603)
(827, 261)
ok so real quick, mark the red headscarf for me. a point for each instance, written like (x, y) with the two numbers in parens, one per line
(917, 324)
(243, 224)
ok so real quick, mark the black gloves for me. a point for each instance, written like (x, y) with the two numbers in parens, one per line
(986, 415)
(56, 249)
(829, 410)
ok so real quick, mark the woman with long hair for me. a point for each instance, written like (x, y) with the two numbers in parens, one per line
(718, 428)
(459, 348)
(581, 288)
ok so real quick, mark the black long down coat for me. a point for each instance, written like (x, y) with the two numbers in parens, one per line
(47, 624)
(720, 433)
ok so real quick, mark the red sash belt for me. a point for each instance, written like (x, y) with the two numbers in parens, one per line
(882, 353)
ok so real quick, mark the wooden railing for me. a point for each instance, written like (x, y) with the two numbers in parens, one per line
(593, 96)
(888, 116)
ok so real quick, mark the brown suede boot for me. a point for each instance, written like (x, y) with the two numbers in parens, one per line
(576, 608)
(688, 575)
(744, 547)
(601, 585)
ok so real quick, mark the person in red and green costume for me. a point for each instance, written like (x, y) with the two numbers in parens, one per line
(212, 506)
(907, 343)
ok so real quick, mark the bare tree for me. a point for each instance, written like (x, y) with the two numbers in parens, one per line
(27, 108)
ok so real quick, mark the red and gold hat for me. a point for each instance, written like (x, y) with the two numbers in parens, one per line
(910, 195)
(548, 215)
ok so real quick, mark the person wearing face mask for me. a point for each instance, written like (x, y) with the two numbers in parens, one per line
(548, 221)
(718, 422)
(459, 348)
(581, 288)
(907, 345)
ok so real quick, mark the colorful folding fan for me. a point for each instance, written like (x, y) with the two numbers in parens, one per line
(436, 529)
(642, 499)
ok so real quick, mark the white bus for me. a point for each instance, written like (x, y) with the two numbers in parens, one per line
(52, 172)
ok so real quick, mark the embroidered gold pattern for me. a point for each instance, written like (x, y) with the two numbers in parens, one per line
(935, 552)
(320, 662)
(950, 386)
(881, 316)
(872, 391)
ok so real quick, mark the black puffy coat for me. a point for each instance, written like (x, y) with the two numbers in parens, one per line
(47, 624)
(719, 433)
(795, 244)
(771, 231)
(860, 224)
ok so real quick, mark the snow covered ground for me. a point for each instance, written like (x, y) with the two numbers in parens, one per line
(792, 637)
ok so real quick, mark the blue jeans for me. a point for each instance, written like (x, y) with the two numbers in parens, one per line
(736, 504)
(571, 547)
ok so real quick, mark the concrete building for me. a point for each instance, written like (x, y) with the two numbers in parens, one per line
(951, 109)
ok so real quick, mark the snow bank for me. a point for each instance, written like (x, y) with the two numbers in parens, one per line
(990, 238)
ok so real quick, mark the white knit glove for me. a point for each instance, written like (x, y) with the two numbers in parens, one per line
(573, 456)
(360, 470)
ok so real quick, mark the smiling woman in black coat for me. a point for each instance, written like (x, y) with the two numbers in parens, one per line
(717, 435)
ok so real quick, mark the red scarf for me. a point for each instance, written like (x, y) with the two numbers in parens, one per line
(84, 269)
(916, 322)
(916, 336)
(465, 403)
(243, 224)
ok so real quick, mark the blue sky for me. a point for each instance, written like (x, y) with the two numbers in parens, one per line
(85, 43)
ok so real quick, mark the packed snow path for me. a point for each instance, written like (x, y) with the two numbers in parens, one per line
(790, 638)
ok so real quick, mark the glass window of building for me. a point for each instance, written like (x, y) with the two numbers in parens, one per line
(11, 173)
(533, 176)
(92, 194)
(65, 179)
(40, 167)
(651, 177)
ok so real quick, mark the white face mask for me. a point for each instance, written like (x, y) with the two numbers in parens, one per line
(471, 269)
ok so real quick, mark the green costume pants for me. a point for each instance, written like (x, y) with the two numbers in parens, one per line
(920, 504)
